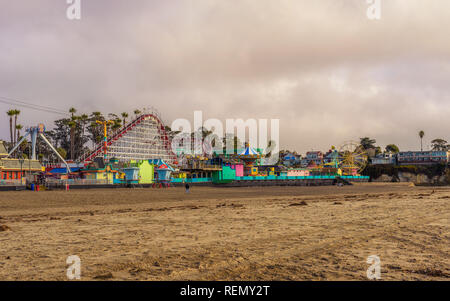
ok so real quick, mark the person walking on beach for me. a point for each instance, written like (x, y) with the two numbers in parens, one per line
(187, 187)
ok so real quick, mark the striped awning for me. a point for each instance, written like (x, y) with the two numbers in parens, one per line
(249, 151)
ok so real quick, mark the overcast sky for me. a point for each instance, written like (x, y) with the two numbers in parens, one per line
(322, 67)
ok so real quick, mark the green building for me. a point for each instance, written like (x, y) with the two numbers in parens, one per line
(226, 175)
(141, 172)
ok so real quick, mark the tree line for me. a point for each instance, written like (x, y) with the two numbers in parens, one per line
(369, 146)
(78, 134)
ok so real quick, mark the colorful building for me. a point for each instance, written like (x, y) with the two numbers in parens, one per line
(238, 168)
(99, 171)
(16, 169)
(140, 172)
(301, 172)
(226, 175)
(291, 160)
(163, 171)
(314, 156)
(423, 157)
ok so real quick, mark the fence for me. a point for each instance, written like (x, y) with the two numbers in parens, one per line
(268, 178)
(191, 180)
(260, 178)
(58, 182)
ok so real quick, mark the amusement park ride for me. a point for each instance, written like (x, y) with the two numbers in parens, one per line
(143, 138)
(249, 156)
(34, 132)
(350, 159)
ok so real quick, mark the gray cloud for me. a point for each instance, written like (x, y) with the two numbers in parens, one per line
(322, 67)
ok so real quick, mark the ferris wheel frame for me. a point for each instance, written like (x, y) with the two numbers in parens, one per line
(352, 157)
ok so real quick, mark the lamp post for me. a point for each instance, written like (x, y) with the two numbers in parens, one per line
(105, 135)
(29, 166)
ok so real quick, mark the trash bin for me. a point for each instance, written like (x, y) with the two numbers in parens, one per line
(32, 187)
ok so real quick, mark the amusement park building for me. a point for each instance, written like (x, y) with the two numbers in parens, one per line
(16, 169)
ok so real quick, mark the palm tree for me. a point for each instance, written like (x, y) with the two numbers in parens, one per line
(84, 118)
(72, 111)
(116, 124)
(137, 112)
(19, 127)
(421, 135)
(94, 128)
(10, 114)
(72, 124)
(96, 115)
(16, 114)
(124, 116)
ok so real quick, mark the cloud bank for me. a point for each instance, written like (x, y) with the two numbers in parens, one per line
(326, 71)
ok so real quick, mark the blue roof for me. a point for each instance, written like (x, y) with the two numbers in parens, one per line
(249, 151)
(64, 170)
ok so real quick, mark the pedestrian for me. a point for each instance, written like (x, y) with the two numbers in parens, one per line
(187, 187)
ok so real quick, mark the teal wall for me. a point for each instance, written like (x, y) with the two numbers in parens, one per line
(228, 180)
(226, 175)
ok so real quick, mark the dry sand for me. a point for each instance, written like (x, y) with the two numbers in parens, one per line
(267, 233)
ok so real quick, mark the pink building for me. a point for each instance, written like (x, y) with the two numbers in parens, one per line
(239, 169)
(298, 173)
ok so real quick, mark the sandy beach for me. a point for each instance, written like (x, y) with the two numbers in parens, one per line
(259, 233)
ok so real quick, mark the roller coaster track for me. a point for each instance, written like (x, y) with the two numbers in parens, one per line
(98, 150)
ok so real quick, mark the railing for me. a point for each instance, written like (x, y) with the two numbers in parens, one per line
(262, 178)
(77, 182)
(355, 177)
(199, 165)
(191, 180)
